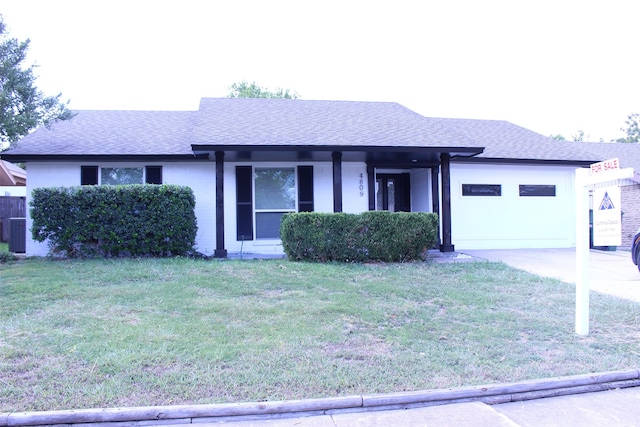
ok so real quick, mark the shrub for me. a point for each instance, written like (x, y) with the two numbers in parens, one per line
(7, 257)
(370, 236)
(127, 220)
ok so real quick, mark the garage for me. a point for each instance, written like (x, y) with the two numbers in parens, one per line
(512, 206)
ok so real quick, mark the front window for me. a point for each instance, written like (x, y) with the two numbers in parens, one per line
(275, 195)
(121, 176)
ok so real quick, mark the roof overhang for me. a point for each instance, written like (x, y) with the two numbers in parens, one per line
(496, 160)
(103, 157)
(373, 155)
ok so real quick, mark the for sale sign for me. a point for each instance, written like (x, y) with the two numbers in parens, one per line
(607, 218)
(603, 168)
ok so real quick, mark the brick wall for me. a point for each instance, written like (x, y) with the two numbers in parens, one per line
(630, 196)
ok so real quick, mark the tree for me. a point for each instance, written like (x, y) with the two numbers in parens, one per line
(579, 137)
(632, 130)
(22, 106)
(245, 89)
(558, 137)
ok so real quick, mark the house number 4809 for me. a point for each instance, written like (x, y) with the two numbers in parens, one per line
(361, 185)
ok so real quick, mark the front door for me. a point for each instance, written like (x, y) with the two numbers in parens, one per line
(393, 192)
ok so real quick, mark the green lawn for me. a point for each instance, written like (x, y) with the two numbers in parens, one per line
(104, 333)
(4, 247)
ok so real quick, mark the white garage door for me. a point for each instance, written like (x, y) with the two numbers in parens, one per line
(512, 206)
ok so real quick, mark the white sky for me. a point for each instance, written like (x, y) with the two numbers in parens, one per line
(553, 66)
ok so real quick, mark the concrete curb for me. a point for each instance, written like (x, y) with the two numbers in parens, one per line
(187, 414)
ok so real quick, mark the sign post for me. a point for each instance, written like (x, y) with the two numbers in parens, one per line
(582, 252)
(597, 176)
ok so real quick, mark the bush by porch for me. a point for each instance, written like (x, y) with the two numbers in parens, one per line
(369, 236)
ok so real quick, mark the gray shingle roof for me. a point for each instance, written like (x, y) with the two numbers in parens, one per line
(629, 154)
(301, 123)
(504, 140)
(248, 121)
(106, 132)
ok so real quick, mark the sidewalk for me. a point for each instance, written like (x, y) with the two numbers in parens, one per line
(607, 398)
(607, 408)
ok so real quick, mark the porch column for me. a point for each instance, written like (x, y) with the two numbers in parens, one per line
(435, 198)
(371, 184)
(445, 165)
(220, 251)
(336, 156)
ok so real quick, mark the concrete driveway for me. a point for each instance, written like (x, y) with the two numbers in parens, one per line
(611, 273)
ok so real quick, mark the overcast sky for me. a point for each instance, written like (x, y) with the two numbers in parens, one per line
(551, 66)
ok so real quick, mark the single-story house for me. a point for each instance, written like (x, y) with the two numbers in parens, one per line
(249, 161)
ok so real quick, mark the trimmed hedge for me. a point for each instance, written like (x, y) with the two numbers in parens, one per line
(370, 236)
(123, 220)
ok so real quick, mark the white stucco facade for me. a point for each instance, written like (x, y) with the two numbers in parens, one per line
(421, 198)
(509, 221)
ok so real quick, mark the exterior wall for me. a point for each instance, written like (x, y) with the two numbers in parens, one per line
(322, 187)
(47, 175)
(198, 176)
(630, 196)
(511, 221)
(352, 200)
(421, 190)
(355, 193)
(201, 177)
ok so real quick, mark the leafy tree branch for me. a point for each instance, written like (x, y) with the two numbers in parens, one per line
(23, 107)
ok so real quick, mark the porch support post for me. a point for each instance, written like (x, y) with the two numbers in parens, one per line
(445, 165)
(336, 156)
(371, 186)
(435, 198)
(220, 251)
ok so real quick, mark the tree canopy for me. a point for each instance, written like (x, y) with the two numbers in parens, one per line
(577, 137)
(632, 130)
(23, 107)
(244, 89)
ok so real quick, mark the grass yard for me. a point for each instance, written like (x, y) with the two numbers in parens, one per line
(4, 247)
(106, 333)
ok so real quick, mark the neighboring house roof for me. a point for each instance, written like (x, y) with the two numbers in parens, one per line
(274, 128)
(12, 175)
(627, 153)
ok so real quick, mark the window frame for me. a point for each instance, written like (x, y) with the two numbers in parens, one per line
(140, 169)
(535, 190)
(466, 190)
(245, 200)
(257, 211)
(92, 174)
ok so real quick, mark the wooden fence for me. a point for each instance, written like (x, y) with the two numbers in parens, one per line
(10, 207)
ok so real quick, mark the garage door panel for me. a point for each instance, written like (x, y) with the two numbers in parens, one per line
(512, 221)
